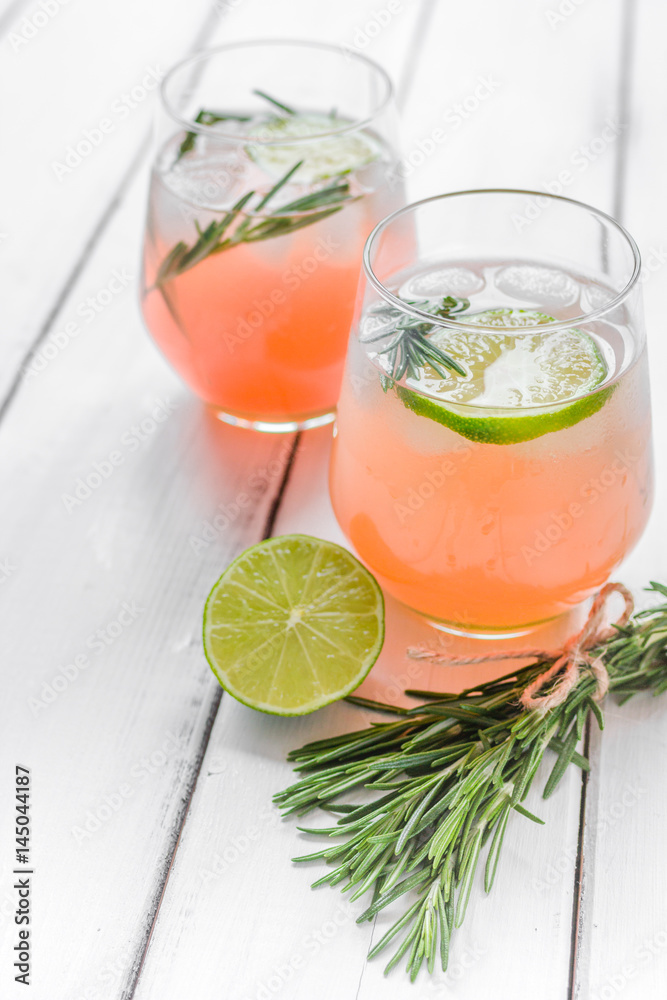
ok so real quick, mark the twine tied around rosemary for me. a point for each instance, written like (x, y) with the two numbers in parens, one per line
(575, 655)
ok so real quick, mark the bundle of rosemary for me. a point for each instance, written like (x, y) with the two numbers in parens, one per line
(443, 779)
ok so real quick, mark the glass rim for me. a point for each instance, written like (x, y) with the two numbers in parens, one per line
(202, 56)
(454, 322)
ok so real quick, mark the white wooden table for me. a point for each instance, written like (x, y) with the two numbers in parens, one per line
(162, 871)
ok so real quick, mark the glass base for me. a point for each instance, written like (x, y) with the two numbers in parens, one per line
(566, 620)
(276, 426)
(471, 632)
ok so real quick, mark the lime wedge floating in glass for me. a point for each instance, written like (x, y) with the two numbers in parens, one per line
(329, 156)
(293, 624)
(511, 372)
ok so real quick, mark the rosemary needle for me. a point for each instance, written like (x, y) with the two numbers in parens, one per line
(272, 100)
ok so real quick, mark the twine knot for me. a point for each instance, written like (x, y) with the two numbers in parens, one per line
(577, 654)
(569, 661)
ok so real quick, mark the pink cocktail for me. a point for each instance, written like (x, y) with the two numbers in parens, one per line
(501, 496)
(268, 182)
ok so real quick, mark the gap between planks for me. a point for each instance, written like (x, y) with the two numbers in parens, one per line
(586, 841)
(129, 990)
(10, 15)
(404, 86)
(70, 282)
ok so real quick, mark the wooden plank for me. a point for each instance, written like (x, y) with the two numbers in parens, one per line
(84, 86)
(519, 99)
(118, 518)
(231, 895)
(623, 927)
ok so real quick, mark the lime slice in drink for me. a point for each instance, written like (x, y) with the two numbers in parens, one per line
(512, 372)
(329, 156)
(293, 624)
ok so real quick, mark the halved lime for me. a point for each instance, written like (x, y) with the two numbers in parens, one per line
(511, 372)
(293, 624)
(329, 156)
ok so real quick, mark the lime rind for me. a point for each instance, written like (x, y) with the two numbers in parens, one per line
(330, 156)
(336, 610)
(511, 373)
(495, 428)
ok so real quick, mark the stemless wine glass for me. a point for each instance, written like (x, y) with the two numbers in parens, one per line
(492, 456)
(275, 160)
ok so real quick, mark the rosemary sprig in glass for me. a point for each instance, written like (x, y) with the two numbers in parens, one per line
(443, 781)
(406, 342)
(219, 235)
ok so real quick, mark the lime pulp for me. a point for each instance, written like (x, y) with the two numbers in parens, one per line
(293, 624)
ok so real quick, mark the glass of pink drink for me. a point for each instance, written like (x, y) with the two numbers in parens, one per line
(492, 458)
(275, 161)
